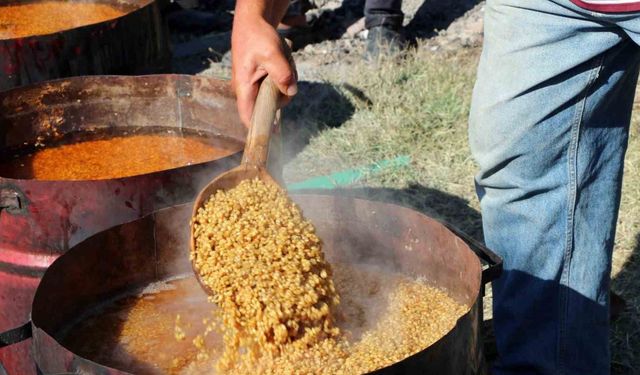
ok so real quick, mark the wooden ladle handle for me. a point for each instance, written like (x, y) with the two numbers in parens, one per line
(256, 150)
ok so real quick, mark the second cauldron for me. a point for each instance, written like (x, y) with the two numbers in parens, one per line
(134, 256)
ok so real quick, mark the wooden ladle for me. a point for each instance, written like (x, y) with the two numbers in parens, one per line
(254, 158)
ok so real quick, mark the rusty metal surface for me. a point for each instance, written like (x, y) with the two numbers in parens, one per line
(353, 230)
(135, 43)
(49, 109)
(43, 219)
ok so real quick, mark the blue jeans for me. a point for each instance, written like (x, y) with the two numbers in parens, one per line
(548, 127)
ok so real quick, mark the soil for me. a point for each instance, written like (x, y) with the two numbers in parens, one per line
(336, 36)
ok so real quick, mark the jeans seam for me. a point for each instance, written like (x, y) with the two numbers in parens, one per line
(572, 165)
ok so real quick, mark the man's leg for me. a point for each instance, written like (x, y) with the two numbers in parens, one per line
(295, 16)
(383, 20)
(386, 13)
(548, 127)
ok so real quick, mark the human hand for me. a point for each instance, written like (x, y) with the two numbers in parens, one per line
(257, 50)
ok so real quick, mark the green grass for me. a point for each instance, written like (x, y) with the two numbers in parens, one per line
(419, 108)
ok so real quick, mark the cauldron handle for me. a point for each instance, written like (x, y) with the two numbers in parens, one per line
(494, 270)
(15, 335)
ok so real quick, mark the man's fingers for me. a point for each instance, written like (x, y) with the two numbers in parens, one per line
(281, 73)
(247, 78)
(246, 96)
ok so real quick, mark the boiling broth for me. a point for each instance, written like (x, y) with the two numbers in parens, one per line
(97, 155)
(389, 313)
(46, 17)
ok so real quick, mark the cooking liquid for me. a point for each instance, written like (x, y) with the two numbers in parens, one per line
(105, 156)
(391, 314)
(46, 17)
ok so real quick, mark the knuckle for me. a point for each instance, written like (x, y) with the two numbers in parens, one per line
(285, 79)
(271, 52)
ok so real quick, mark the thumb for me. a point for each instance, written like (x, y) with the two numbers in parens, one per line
(282, 74)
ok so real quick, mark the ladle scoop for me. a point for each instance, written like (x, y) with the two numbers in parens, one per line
(254, 158)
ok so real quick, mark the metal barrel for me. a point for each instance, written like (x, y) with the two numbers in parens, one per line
(135, 43)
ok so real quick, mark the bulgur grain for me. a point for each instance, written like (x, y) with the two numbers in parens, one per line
(264, 264)
(383, 316)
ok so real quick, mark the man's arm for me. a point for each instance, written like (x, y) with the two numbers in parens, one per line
(257, 50)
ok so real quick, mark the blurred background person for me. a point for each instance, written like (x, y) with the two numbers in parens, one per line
(383, 21)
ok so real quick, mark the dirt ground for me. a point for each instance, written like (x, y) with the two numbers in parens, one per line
(336, 38)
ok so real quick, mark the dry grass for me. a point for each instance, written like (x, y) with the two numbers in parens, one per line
(416, 108)
(419, 107)
(626, 260)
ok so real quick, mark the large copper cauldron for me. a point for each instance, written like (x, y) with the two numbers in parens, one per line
(134, 43)
(354, 231)
(40, 220)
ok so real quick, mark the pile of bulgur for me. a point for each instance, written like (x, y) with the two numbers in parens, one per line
(384, 318)
(265, 267)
